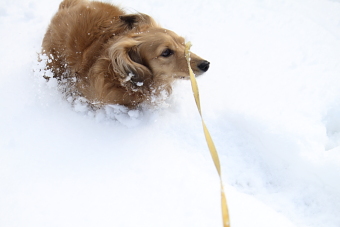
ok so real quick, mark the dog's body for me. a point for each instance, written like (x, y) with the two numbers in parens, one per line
(115, 58)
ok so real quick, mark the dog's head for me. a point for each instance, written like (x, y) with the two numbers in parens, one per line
(154, 55)
(163, 52)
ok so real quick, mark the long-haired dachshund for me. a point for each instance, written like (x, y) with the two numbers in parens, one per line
(114, 57)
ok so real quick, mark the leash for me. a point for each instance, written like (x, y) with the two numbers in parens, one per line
(212, 148)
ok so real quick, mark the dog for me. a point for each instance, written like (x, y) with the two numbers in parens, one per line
(112, 57)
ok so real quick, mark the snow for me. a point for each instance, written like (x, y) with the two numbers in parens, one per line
(270, 100)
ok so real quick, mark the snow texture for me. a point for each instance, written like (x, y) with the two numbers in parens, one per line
(271, 100)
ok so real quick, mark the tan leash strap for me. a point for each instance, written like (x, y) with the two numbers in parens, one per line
(212, 148)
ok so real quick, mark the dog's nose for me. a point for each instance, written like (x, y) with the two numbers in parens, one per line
(204, 65)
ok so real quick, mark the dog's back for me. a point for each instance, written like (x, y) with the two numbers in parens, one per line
(77, 34)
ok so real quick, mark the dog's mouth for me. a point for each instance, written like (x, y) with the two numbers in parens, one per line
(181, 77)
(186, 77)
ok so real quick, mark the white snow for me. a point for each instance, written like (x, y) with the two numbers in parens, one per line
(139, 84)
(130, 75)
(271, 100)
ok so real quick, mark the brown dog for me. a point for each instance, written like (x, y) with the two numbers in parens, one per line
(113, 57)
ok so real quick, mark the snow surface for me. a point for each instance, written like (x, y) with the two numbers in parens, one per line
(271, 100)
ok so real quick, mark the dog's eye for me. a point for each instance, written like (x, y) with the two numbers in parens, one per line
(167, 53)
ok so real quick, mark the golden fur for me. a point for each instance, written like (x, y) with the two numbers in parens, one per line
(115, 58)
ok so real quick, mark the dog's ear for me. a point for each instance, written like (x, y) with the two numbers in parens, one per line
(137, 20)
(128, 63)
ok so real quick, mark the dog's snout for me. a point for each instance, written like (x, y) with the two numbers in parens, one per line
(204, 65)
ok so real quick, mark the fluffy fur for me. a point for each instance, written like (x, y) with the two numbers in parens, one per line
(115, 58)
